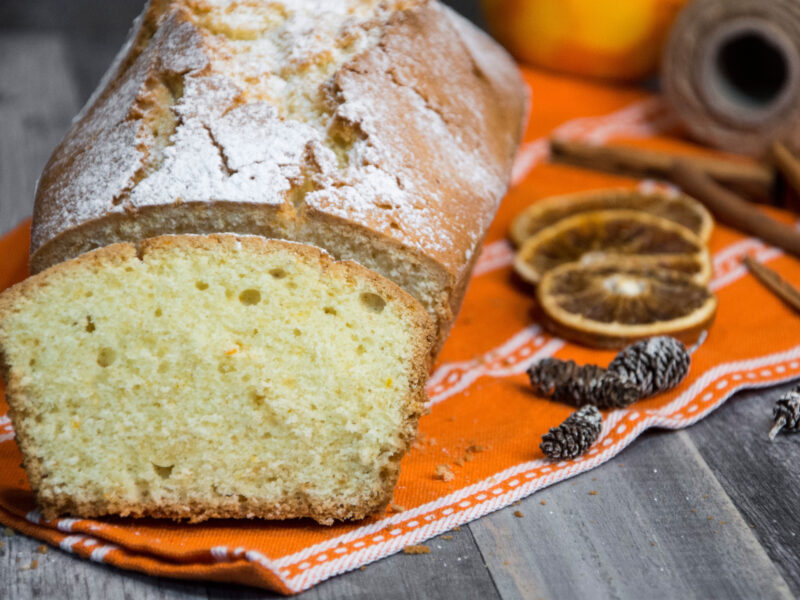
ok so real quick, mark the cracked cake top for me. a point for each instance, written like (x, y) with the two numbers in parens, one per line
(360, 109)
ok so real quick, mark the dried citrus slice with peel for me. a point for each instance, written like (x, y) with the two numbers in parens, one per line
(679, 208)
(697, 266)
(605, 236)
(609, 306)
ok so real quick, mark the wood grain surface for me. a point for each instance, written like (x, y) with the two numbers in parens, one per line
(709, 512)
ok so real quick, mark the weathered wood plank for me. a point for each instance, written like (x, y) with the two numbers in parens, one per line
(762, 478)
(90, 57)
(37, 103)
(61, 575)
(83, 17)
(659, 525)
(471, 9)
(453, 569)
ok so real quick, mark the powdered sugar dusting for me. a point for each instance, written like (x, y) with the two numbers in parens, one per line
(242, 102)
(390, 185)
(102, 152)
(254, 134)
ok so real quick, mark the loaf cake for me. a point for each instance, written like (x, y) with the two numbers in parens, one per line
(249, 247)
(380, 130)
(213, 376)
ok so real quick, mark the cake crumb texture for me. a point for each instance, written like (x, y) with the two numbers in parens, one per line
(213, 376)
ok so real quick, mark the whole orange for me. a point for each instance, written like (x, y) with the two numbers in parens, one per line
(612, 39)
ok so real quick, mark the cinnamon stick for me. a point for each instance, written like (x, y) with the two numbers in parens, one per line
(774, 283)
(787, 163)
(750, 179)
(732, 209)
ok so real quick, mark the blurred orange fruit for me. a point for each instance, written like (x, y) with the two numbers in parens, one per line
(617, 39)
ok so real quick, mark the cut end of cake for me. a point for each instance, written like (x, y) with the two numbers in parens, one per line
(213, 376)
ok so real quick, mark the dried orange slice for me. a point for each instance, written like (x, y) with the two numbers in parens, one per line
(598, 237)
(696, 266)
(679, 208)
(609, 306)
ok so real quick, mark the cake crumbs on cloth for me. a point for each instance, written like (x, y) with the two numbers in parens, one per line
(593, 492)
(416, 549)
(444, 473)
(469, 454)
(447, 537)
(518, 514)
(42, 549)
(477, 448)
(543, 502)
(398, 508)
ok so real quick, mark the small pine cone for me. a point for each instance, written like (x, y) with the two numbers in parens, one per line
(655, 365)
(574, 436)
(786, 413)
(566, 382)
(549, 374)
(604, 390)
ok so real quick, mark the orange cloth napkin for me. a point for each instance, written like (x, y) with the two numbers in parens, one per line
(479, 396)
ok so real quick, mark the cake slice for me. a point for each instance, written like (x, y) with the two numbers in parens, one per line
(213, 376)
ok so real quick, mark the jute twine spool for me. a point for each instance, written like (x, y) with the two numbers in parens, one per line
(731, 71)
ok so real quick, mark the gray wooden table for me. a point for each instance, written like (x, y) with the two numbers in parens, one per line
(709, 512)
